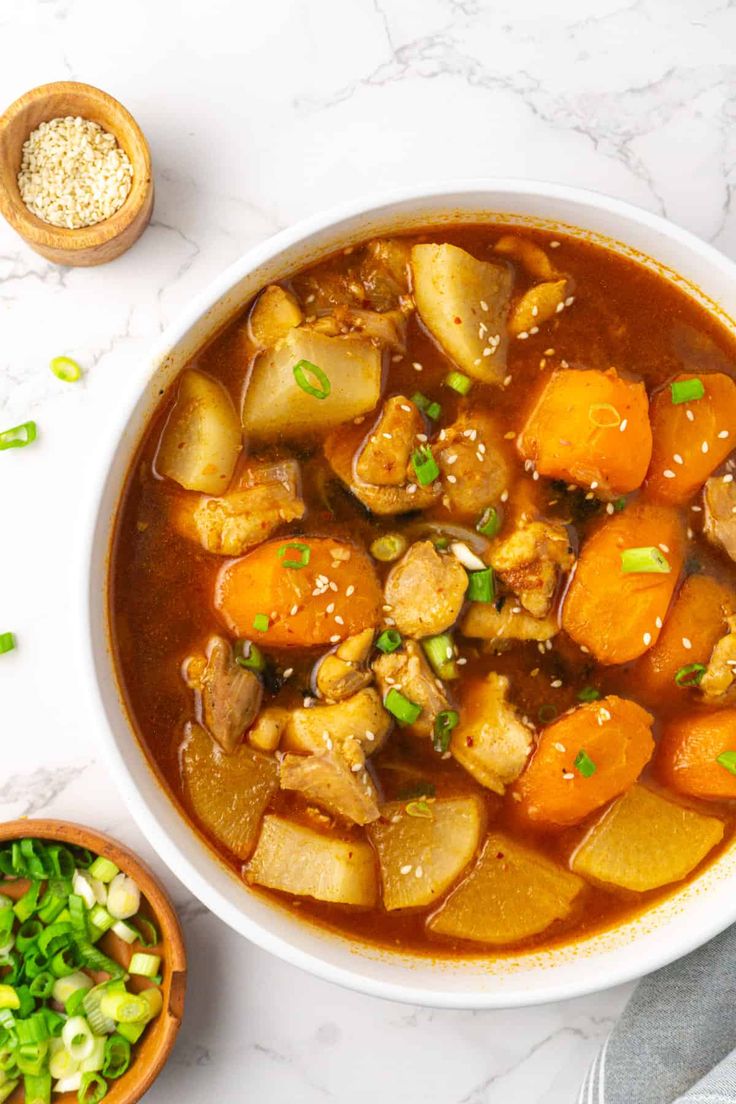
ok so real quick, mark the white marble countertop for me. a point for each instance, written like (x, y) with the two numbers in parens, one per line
(256, 115)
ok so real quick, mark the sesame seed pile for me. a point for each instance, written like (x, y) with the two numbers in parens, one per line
(73, 173)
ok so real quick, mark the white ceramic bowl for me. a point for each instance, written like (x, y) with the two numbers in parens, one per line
(671, 929)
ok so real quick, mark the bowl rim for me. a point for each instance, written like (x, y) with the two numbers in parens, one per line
(600, 976)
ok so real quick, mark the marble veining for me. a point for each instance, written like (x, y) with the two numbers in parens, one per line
(258, 114)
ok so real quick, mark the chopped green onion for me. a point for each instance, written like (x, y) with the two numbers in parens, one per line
(42, 985)
(440, 651)
(402, 708)
(124, 1007)
(304, 551)
(547, 713)
(687, 390)
(431, 409)
(148, 933)
(489, 522)
(37, 1088)
(61, 1063)
(444, 723)
(584, 764)
(18, 437)
(103, 869)
(77, 1037)
(123, 898)
(101, 918)
(690, 675)
(130, 1032)
(26, 905)
(425, 465)
(66, 369)
(388, 547)
(619, 504)
(304, 368)
(458, 382)
(8, 997)
(419, 809)
(154, 1000)
(250, 656)
(441, 543)
(589, 694)
(100, 1024)
(261, 622)
(727, 759)
(644, 561)
(124, 931)
(72, 983)
(388, 641)
(117, 1056)
(481, 586)
(92, 1089)
(96, 1060)
(145, 965)
(7, 642)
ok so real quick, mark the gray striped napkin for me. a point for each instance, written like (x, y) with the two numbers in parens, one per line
(675, 1040)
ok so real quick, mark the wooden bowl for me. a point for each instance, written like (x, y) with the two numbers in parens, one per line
(89, 245)
(156, 1043)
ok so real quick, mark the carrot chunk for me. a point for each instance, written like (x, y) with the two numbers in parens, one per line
(694, 625)
(585, 759)
(617, 615)
(691, 439)
(265, 595)
(590, 428)
(689, 750)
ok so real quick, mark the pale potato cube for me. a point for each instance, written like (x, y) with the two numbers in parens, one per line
(228, 793)
(276, 405)
(464, 302)
(296, 859)
(537, 305)
(644, 841)
(274, 313)
(202, 438)
(421, 856)
(510, 894)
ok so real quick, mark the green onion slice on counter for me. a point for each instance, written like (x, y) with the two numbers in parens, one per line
(18, 436)
(66, 369)
(7, 642)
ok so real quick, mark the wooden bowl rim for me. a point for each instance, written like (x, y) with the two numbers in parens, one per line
(33, 229)
(171, 934)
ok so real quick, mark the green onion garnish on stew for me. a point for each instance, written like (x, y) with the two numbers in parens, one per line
(66, 369)
(644, 561)
(458, 382)
(388, 547)
(489, 522)
(249, 656)
(260, 622)
(547, 713)
(389, 640)
(18, 437)
(727, 759)
(589, 694)
(690, 675)
(584, 764)
(431, 409)
(443, 725)
(481, 586)
(305, 368)
(304, 551)
(419, 809)
(687, 390)
(401, 708)
(7, 642)
(619, 504)
(425, 465)
(440, 651)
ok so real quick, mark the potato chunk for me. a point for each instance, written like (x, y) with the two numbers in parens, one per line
(274, 314)
(295, 859)
(327, 780)
(510, 894)
(201, 440)
(491, 741)
(276, 405)
(228, 793)
(464, 302)
(645, 841)
(436, 848)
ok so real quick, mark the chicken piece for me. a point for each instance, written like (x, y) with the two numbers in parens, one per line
(327, 780)
(721, 670)
(719, 513)
(230, 695)
(355, 727)
(491, 741)
(530, 562)
(274, 313)
(387, 329)
(266, 496)
(409, 670)
(475, 472)
(425, 590)
(340, 448)
(384, 458)
(537, 306)
(501, 627)
(529, 255)
(342, 673)
(266, 733)
(384, 271)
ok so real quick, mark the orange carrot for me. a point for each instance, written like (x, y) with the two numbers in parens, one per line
(590, 428)
(687, 755)
(695, 623)
(691, 439)
(615, 615)
(263, 585)
(610, 740)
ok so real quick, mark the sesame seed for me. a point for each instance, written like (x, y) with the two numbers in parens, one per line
(339, 620)
(647, 638)
(350, 590)
(686, 643)
(330, 608)
(568, 776)
(452, 479)
(610, 509)
(405, 869)
(704, 447)
(668, 473)
(522, 336)
(554, 245)
(664, 547)
(556, 683)
(723, 434)
(334, 638)
(483, 305)
(658, 622)
(418, 872)
(416, 366)
(689, 415)
(288, 672)
(728, 478)
(623, 425)
(294, 611)
(559, 747)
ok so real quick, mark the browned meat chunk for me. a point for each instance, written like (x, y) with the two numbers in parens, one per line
(475, 472)
(388, 330)
(384, 458)
(425, 591)
(530, 562)
(385, 272)
(719, 521)
(409, 672)
(721, 670)
(340, 448)
(230, 695)
(327, 780)
(491, 742)
(342, 673)
(355, 727)
(511, 623)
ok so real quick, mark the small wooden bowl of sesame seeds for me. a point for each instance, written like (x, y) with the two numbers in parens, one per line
(75, 173)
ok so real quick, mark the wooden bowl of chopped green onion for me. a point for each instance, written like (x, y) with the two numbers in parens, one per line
(75, 173)
(92, 967)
